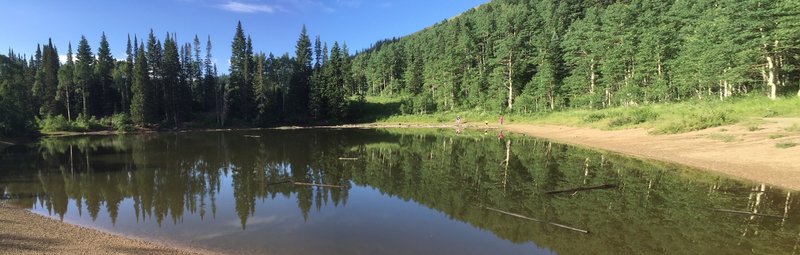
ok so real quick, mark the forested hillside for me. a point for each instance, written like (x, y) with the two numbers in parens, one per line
(517, 56)
(535, 55)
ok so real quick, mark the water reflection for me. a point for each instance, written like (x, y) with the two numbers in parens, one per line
(395, 177)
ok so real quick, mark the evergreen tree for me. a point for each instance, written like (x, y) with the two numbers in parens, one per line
(300, 85)
(125, 90)
(155, 71)
(46, 85)
(66, 85)
(140, 94)
(84, 77)
(16, 116)
(171, 68)
(103, 97)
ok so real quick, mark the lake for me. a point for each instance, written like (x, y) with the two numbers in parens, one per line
(393, 191)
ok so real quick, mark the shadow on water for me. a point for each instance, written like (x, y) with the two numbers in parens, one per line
(652, 208)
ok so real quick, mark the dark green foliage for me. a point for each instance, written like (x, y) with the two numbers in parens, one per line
(637, 116)
(140, 90)
(83, 76)
(16, 113)
(299, 87)
(171, 82)
(528, 56)
(66, 85)
(46, 84)
(104, 100)
(504, 56)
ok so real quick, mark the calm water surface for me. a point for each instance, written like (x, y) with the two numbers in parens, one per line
(396, 192)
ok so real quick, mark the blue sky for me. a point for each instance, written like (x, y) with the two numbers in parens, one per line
(274, 25)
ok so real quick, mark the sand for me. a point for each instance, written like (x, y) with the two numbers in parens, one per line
(736, 151)
(23, 232)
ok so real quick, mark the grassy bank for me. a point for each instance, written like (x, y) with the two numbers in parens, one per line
(667, 118)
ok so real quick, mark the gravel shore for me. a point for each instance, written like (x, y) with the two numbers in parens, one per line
(23, 232)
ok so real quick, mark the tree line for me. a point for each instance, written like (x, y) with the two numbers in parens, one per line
(503, 56)
(532, 55)
(166, 84)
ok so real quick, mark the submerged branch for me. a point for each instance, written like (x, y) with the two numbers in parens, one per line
(604, 186)
(306, 184)
(745, 212)
(318, 185)
(537, 220)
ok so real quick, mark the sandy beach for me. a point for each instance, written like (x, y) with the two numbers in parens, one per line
(24, 232)
(734, 150)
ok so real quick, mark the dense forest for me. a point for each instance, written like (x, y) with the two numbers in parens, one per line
(504, 56)
(526, 56)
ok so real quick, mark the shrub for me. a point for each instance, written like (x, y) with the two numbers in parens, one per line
(637, 116)
(594, 117)
(697, 122)
(786, 144)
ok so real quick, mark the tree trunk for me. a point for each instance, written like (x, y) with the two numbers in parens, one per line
(773, 87)
(85, 109)
(510, 80)
(69, 113)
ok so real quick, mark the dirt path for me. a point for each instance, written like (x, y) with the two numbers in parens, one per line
(23, 232)
(745, 152)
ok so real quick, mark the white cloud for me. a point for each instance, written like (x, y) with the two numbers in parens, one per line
(247, 8)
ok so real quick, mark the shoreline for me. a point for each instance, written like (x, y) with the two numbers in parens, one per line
(750, 155)
(740, 154)
(732, 150)
(25, 232)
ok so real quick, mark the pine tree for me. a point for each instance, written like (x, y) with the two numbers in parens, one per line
(171, 68)
(125, 91)
(83, 73)
(155, 70)
(16, 114)
(300, 85)
(103, 98)
(66, 84)
(46, 84)
(140, 94)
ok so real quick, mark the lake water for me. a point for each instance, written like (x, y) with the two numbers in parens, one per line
(398, 191)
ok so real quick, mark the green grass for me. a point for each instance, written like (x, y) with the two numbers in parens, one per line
(118, 122)
(785, 144)
(793, 128)
(662, 118)
(723, 137)
(776, 136)
(752, 127)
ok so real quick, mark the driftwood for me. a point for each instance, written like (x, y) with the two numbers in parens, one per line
(538, 220)
(348, 158)
(280, 182)
(306, 184)
(318, 185)
(252, 136)
(604, 186)
(745, 212)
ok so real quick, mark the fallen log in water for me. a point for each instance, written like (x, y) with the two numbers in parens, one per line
(318, 185)
(348, 158)
(537, 220)
(306, 184)
(280, 182)
(745, 212)
(604, 186)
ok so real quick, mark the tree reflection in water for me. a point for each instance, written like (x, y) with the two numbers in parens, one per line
(657, 208)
